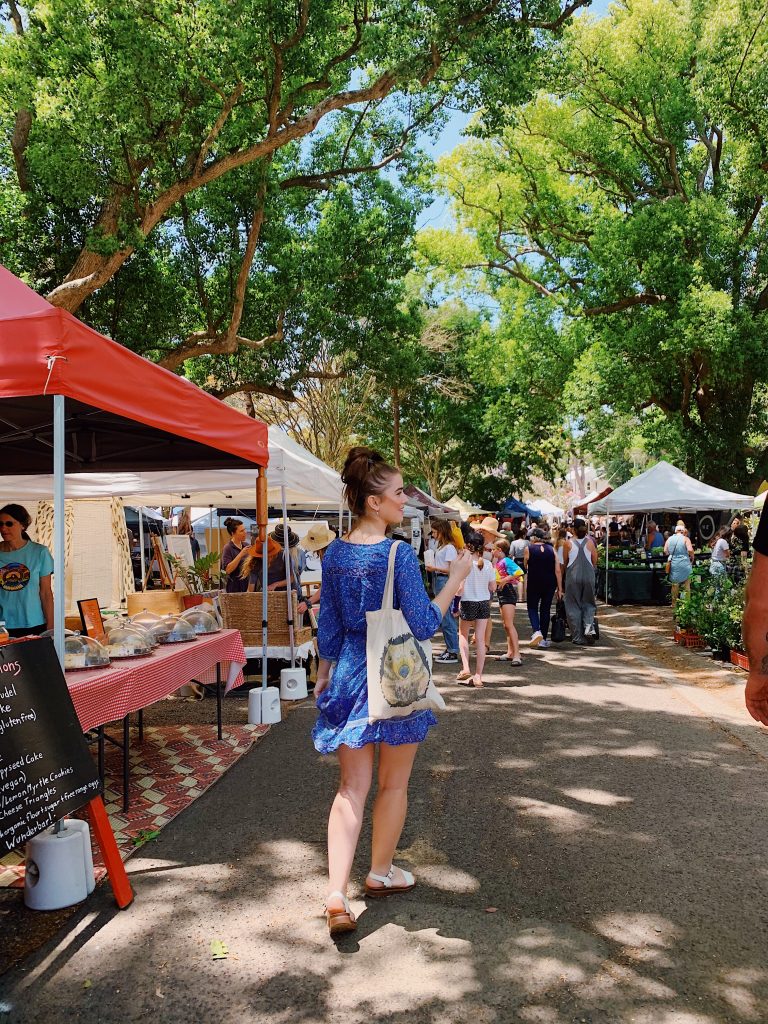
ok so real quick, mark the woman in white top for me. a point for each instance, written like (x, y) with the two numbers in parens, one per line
(444, 553)
(720, 551)
(475, 610)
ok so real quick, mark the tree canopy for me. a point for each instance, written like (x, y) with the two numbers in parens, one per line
(618, 219)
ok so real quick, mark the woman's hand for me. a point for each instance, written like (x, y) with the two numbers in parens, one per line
(302, 607)
(460, 567)
(321, 683)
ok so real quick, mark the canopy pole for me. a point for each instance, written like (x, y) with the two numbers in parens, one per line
(288, 574)
(59, 528)
(262, 521)
(607, 545)
(141, 545)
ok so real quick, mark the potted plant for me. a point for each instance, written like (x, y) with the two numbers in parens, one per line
(200, 578)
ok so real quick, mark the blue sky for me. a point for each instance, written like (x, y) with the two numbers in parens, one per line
(436, 215)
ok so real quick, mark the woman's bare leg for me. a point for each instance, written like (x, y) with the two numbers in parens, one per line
(464, 628)
(513, 640)
(346, 817)
(480, 652)
(391, 805)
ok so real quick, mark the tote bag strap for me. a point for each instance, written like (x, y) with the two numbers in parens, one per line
(388, 600)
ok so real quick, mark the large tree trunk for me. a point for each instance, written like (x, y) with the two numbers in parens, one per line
(396, 426)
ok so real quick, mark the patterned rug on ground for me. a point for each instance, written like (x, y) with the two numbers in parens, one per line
(171, 768)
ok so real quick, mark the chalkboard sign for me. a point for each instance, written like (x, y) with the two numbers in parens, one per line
(46, 770)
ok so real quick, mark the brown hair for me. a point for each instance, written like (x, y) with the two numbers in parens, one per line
(476, 544)
(20, 514)
(232, 524)
(365, 473)
(502, 545)
(442, 528)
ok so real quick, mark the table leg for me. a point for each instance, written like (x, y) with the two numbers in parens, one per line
(218, 698)
(141, 725)
(126, 762)
(100, 751)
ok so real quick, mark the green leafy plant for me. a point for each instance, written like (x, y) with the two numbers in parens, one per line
(204, 574)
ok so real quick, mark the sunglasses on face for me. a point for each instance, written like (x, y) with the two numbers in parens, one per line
(7, 522)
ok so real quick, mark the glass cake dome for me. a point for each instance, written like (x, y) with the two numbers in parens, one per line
(173, 630)
(128, 642)
(201, 620)
(83, 652)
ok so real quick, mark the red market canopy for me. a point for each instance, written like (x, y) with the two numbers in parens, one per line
(123, 413)
(581, 508)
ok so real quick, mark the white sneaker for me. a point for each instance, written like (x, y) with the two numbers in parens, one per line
(536, 638)
(545, 643)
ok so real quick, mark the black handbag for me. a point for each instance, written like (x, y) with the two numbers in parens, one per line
(559, 623)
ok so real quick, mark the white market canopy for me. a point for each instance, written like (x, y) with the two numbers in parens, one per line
(545, 507)
(308, 481)
(464, 508)
(666, 488)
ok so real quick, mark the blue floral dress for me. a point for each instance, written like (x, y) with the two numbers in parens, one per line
(353, 584)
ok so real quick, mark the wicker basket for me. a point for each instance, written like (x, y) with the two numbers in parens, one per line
(243, 612)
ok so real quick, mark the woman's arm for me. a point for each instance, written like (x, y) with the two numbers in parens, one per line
(230, 568)
(423, 615)
(46, 600)
(559, 578)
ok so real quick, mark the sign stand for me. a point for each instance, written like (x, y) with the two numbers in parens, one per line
(158, 555)
(105, 837)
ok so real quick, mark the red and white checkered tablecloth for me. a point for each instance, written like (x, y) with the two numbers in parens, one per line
(107, 695)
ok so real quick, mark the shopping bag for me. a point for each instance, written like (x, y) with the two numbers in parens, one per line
(399, 665)
(559, 623)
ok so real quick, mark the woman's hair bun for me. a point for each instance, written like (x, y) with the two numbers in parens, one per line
(231, 524)
(365, 472)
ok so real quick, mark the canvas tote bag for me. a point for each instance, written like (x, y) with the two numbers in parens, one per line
(399, 665)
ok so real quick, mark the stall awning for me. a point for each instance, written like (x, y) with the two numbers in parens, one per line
(666, 488)
(433, 507)
(581, 508)
(308, 482)
(122, 412)
(513, 507)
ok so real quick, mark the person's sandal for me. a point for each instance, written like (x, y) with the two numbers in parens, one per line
(388, 888)
(477, 682)
(339, 921)
(463, 675)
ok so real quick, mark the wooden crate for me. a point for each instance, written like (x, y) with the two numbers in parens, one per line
(161, 602)
(244, 612)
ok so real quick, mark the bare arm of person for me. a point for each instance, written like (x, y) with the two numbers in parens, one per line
(559, 577)
(46, 600)
(592, 553)
(236, 561)
(756, 639)
(458, 570)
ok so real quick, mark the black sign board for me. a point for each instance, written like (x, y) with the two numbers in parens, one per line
(46, 770)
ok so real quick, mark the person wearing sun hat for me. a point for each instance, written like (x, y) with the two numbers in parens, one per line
(316, 540)
(488, 528)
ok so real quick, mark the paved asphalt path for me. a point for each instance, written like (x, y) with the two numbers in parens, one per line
(590, 844)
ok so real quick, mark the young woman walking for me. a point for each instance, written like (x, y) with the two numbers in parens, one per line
(354, 574)
(508, 572)
(445, 554)
(475, 610)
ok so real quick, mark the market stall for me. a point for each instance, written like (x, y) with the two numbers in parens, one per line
(130, 417)
(663, 488)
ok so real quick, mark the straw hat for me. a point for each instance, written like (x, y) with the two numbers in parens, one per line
(489, 525)
(317, 537)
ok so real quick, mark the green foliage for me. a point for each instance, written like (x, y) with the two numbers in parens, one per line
(622, 211)
(204, 574)
(714, 609)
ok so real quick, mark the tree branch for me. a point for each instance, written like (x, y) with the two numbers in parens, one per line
(641, 299)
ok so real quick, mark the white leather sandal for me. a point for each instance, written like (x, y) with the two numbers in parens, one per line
(339, 921)
(388, 887)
